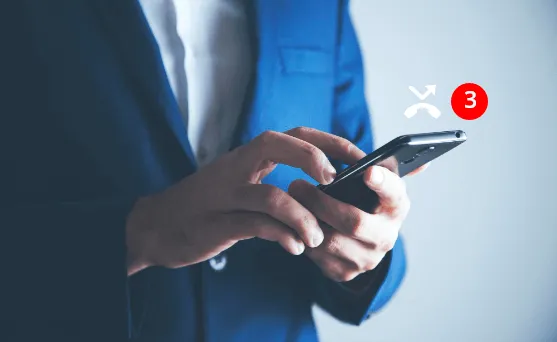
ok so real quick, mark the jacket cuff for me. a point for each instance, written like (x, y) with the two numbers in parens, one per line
(355, 301)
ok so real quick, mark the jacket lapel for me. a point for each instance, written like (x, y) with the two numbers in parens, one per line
(262, 30)
(277, 46)
(137, 48)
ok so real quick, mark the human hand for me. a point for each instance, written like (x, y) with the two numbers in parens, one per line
(225, 202)
(356, 241)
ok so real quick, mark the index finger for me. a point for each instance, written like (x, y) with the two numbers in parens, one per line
(334, 146)
(289, 150)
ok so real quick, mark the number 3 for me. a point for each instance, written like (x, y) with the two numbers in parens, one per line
(472, 99)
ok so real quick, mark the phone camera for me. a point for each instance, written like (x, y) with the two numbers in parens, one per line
(458, 134)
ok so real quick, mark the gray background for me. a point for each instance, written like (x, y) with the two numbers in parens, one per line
(482, 233)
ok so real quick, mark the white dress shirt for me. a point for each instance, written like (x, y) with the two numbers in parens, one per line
(206, 53)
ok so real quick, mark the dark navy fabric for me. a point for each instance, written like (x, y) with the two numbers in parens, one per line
(88, 123)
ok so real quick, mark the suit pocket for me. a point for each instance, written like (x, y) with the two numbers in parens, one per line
(306, 61)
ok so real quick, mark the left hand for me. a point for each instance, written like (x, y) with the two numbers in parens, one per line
(356, 241)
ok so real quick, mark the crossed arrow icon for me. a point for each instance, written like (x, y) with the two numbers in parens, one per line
(430, 89)
(429, 108)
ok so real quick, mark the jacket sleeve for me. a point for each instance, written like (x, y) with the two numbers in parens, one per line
(351, 120)
(64, 272)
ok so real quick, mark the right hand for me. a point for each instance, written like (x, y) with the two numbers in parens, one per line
(225, 202)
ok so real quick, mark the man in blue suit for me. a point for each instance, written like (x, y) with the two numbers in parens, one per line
(124, 217)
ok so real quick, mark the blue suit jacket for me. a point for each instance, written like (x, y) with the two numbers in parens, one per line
(89, 124)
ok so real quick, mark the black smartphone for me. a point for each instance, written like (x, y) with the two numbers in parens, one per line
(401, 156)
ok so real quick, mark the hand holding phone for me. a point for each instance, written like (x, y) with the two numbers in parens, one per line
(402, 156)
(361, 226)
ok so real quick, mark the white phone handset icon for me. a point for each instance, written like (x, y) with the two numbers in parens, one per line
(431, 110)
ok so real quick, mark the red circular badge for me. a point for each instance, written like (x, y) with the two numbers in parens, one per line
(469, 101)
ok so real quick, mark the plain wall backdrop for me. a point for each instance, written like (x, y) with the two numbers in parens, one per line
(482, 233)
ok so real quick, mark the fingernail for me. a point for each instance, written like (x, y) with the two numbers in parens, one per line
(317, 239)
(330, 173)
(300, 247)
(377, 176)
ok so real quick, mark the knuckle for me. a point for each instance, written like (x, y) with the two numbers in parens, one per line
(335, 275)
(273, 198)
(242, 152)
(367, 264)
(266, 137)
(314, 153)
(394, 211)
(238, 151)
(300, 130)
(346, 276)
(333, 244)
(370, 265)
(346, 146)
(386, 245)
(402, 209)
(303, 223)
(331, 274)
(357, 225)
(332, 270)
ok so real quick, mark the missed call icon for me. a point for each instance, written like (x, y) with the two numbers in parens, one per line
(429, 108)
